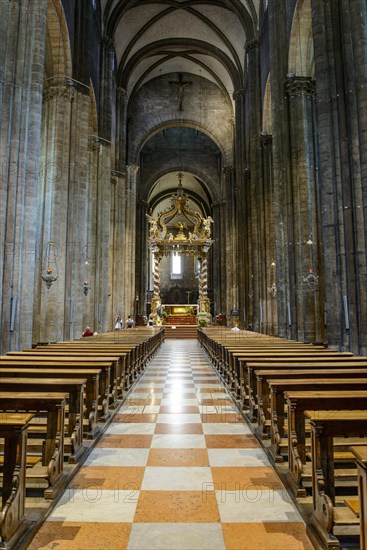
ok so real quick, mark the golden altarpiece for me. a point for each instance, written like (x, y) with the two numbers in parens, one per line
(192, 237)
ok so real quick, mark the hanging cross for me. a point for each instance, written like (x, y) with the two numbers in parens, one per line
(180, 90)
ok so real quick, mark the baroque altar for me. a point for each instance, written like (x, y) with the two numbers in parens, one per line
(192, 237)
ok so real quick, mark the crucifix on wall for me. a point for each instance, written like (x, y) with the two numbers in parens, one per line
(180, 85)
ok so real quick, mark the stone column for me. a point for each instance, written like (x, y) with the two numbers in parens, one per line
(53, 191)
(218, 258)
(130, 239)
(23, 39)
(306, 266)
(204, 302)
(278, 53)
(107, 95)
(340, 36)
(121, 107)
(117, 240)
(231, 242)
(269, 259)
(239, 200)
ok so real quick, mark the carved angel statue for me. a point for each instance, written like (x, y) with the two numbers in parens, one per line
(153, 231)
(207, 226)
(170, 237)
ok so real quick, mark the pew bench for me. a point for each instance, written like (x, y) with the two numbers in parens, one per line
(329, 518)
(13, 429)
(53, 451)
(297, 403)
(248, 378)
(104, 396)
(74, 388)
(90, 426)
(360, 456)
(262, 374)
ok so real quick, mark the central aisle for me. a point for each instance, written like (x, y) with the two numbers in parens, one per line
(177, 469)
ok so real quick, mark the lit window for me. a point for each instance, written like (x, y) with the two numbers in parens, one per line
(176, 269)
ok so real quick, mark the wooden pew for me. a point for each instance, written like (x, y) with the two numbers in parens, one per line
(263, 375)
(247, 368)
(53, 452)
(90, 426)
(13, 429)
(74, 388)
(89, 355)
(328, 519)
(277, 389)
(297, 403)
(104, 399)
(360, 454)
(240, 358)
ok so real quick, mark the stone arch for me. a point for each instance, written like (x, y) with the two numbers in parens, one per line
(165, 124)
(267, 122)
(211, 188)
(58, 52)
(301, 52)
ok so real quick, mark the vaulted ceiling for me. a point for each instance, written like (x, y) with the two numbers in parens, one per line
(156, 41)
(205, 38)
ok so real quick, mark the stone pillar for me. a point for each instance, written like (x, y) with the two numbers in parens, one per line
(121, 107)
(76, 214)
(269, 258)
(204, 302)
(130, 239)
(239, 199)
(306, 266)
(53, 191)
(218, 258)
(278, 53)
(156, 300)
(117, 240)
(142, 259)
(340, 36)
(254, 188)
(23, 39)
(230, 242)
(107, 96)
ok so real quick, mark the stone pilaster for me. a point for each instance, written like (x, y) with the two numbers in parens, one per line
(23, 38)
(218, 257)
(340, 36)
(306, 263)
(53, 189)
(239, 200)
(107, 95)
(117, 241)
(121, 107)
(278, 52)
(231, 242)
(269, 264)
(130, 239)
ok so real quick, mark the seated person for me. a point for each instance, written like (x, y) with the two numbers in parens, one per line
(236, 328)
(88, 332)
(130, 323)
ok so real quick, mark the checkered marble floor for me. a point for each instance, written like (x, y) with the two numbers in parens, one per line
(178, 468)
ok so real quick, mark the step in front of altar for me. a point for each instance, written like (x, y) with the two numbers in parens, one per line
(180, 331)
(181, 319)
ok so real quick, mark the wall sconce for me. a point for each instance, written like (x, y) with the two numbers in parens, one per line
(49, 279)
(310, 279)
(273, 289)
(86, 288)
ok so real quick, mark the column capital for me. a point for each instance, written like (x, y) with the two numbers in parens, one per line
(121, 93)
(107, 41)
(238, 94)
(266, 139)
(252, 44)
(132, 169)
(63, 91)
(300, 85)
